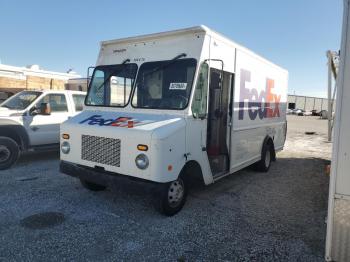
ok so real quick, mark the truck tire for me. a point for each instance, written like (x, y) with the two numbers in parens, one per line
(173, 197)
(9, 152)
(266, 157)
(92, 186)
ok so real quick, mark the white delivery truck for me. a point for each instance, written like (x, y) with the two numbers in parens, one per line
(338, 222)
(176, 105)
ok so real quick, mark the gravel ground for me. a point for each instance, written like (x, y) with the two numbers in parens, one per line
(249, 216)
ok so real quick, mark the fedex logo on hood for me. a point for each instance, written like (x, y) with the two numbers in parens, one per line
(259, 105)
(120, 121)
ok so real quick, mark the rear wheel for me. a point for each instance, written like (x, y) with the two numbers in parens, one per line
(266, 157)
(92, 186)
(173, 197)
(9, 152)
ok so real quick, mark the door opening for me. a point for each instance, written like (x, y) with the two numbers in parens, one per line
(218, 130)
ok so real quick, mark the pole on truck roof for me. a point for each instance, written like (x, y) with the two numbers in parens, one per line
(333, 64)
(329, 55)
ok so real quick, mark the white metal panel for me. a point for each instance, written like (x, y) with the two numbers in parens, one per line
(291, 98)
(163, 48)
(318, 104)
(338, 227)
(341, 230)
(310, 103)
(342, 159)
(222, 51)
(300, 102)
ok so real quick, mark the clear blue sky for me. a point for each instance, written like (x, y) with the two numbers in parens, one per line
(59, 35)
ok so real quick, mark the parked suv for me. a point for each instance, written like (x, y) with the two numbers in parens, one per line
(30, 120)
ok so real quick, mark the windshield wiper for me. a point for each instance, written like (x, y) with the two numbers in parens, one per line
(167, 64)
(113, 73)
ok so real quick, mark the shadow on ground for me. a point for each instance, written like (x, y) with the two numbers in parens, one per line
(33, 157)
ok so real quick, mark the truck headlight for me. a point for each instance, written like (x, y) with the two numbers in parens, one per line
(65, 147)
(142, 161)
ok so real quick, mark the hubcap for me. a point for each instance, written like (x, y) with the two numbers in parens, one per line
(176, 193)
(267, 158)
(4, 153)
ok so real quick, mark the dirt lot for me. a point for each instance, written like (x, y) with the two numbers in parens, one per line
(248, 216)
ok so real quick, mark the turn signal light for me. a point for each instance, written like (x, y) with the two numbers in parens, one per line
(65, 136)
(142, 147)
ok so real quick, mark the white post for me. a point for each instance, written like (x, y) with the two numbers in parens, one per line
(329, 55)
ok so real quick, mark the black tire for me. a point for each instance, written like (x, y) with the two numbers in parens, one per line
(92, 186)
(173, 197)
(9, 152)
(266, 158)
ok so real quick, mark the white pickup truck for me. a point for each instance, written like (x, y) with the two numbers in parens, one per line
(30, 120)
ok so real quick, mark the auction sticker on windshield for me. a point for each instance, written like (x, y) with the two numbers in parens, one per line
(178, 86)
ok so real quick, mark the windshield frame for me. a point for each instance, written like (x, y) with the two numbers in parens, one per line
(39, 93)
(111, 106)
(189, 94)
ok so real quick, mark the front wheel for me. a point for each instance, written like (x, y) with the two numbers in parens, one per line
(173, 197)
(9, 152)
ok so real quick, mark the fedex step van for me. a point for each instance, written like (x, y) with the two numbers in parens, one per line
(173, 107)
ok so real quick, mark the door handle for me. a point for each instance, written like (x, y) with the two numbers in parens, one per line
(34, 128)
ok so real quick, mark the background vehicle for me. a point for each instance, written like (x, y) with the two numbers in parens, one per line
(338, 221)
(183, 104)
(30, 120)
(289, 111)
(4, 96)
(298, 112)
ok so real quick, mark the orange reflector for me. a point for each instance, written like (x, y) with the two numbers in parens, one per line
(65, 136)
(170, 167)
(142, 147)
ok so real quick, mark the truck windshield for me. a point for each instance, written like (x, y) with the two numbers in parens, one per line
(21, 100)
(164, 84)
(111, 85)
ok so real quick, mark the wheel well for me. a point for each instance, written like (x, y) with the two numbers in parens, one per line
(10, 133)
(192, 171)
(269, 141)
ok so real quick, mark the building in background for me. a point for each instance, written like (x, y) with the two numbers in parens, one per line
(78, 84)
(307, 103)
(14, 79)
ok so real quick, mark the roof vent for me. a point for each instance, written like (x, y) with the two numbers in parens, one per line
(33, 67)
(71, 71)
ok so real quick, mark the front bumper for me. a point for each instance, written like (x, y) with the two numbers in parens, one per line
(97, 176)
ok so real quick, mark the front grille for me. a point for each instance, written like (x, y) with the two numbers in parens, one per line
(101, 150)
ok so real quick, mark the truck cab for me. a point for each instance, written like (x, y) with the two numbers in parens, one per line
(175, 106)
(30, 120)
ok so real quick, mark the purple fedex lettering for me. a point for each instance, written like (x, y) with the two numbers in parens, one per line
(258, 104)
(92, 119)
(98, 120)
(244, 92)
(254, 99)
